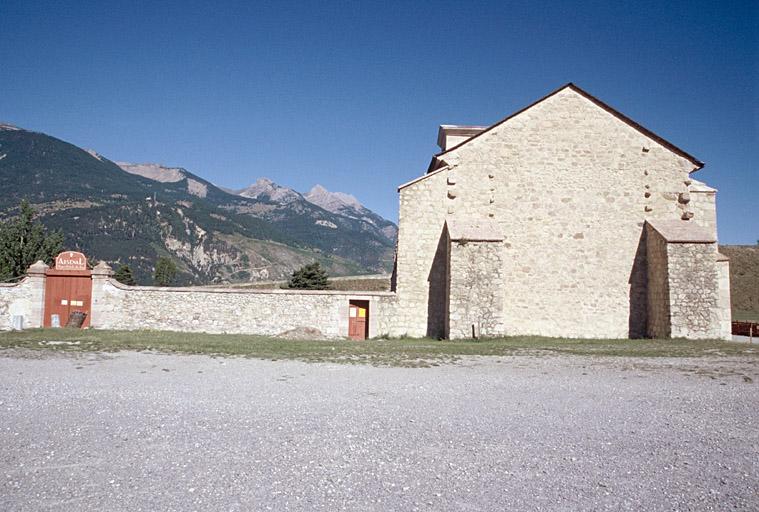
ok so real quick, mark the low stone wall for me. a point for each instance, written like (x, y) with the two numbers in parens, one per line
(265, 312)
(25, 298)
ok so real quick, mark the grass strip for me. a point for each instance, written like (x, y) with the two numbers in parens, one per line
(406, 352)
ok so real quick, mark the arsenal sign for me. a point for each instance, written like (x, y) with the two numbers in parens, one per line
(70, 260)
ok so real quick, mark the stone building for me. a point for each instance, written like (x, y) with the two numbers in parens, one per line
(566, 219)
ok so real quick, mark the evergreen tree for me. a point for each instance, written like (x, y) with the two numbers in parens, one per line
(165, 271)
(124, 275)
(23, 241)
(309, 277)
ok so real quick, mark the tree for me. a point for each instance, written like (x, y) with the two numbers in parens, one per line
(124, 275)
(309, 277)
(23, 241)
(165, 271)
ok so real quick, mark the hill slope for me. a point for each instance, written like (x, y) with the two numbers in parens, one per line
(148, 211)
(744, 280)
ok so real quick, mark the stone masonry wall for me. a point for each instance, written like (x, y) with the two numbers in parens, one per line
(26, 298)
(439, 290)
(265, 312)
(704, 208)
(476, 289)
(693, 291)
(421, 220)
(570, 186)
(659, 325)
(724, 309)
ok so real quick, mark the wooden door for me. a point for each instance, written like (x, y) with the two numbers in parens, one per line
(65, 294)
(358, 319)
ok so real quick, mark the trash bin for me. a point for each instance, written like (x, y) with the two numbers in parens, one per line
(76, 319)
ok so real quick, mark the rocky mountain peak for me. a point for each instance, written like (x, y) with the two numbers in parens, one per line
(264, 188)
(335, 202)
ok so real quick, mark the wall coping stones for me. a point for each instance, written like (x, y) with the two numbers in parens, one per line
(37, 269)
(680, 231)
(700, 186)
(102, 269)
(196, 289)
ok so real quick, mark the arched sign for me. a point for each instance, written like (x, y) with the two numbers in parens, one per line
(70, 260)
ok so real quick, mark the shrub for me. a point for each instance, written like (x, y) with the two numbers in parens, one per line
(309, 277)
(165, 271)
(124, 275)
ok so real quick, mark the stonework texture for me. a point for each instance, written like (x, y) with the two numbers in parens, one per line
(724, 305)
(25, 299)
(658, 306)
(571, 186)
(693, 291)
(265, 312)
(476, 289)
(439, 290)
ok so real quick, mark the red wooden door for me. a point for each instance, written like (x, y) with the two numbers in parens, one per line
(358, 319)
(66, 293)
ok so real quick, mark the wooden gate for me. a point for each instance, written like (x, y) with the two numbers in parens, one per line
(358, 319)
(68, 288)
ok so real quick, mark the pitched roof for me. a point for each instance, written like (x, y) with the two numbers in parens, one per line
(682, 231)
(648, 133)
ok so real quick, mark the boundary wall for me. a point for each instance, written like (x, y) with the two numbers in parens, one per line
(190, 309)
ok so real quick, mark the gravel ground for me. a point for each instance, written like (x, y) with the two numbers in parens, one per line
(138, 431)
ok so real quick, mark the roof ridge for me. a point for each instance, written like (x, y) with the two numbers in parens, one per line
(611, 110)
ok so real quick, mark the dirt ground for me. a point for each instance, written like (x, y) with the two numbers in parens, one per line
(146, 431)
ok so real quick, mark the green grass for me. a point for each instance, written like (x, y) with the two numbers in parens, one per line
(745, 316)
(391, 352)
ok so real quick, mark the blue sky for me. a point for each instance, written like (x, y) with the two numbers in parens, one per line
(350, 94)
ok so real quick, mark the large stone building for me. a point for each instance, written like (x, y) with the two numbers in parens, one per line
(567, 219)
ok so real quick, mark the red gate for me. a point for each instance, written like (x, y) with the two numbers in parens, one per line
(68, 288)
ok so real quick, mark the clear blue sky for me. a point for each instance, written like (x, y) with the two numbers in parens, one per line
(350, 94)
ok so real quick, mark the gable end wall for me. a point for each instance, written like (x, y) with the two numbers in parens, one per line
(570, 186)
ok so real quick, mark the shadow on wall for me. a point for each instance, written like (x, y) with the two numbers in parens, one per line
(437, 301)
(638, 319)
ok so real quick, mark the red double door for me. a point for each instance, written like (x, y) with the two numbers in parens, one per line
(65, 293)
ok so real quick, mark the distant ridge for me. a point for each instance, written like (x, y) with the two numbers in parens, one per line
(136, 212)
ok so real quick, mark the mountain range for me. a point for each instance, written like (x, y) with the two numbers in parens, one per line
(134, 213)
